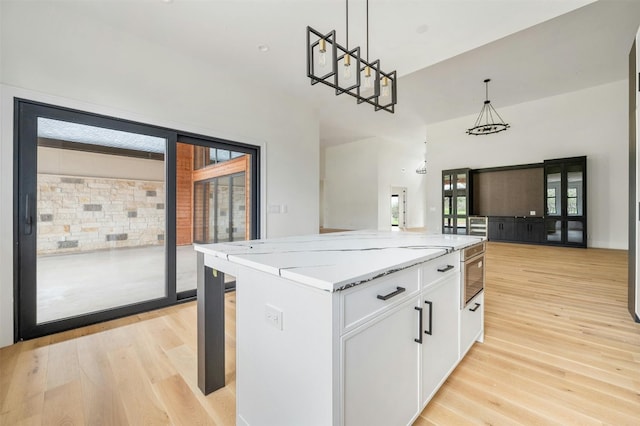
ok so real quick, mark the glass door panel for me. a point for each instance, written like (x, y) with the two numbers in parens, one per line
(238, 207)
(100, 219)
(219, 201)
(574, 193)
(447, 226)
(212, 202)
(461, 225)
(554, 230)
(461, 181)
(554, 194)
(461, 205)
(395, 210)
(575, 231)
(446, 179)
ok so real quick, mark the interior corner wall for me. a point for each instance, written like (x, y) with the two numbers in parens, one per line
(53, 54)
(591, 122)
(358, 178)
(397, 163)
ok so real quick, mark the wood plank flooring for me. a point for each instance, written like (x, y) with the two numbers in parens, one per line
(560, 348)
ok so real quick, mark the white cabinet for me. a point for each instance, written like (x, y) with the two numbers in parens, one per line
(381, 369)
(472, 323)
(440, 304)
(395, 354)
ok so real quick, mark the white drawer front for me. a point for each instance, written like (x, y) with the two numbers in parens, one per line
(361, 302)
(441, 267)
(471, 323)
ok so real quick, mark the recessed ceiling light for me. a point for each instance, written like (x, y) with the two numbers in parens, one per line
(422, 29)
(167, 1)
(263, 48)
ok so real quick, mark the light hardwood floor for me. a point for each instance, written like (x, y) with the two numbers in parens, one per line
(560, 348)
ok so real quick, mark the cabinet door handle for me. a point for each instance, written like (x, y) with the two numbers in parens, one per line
(419, 339)
(475, 308)
(430, 331)
(446, 268)
(393, 293)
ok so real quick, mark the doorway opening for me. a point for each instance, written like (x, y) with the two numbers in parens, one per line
(398, 207)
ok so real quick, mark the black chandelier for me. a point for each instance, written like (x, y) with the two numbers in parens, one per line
(325, 57)
(486, 123)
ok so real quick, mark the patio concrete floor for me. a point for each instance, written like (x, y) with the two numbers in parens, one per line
(80, 283)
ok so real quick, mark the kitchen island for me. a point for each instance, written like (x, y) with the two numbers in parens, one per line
(336, 329)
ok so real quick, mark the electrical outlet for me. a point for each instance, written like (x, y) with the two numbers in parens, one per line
(532, 212)
(273, 316)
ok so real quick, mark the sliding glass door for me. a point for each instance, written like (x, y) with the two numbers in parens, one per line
(213, 203)
(100, 219)
(105, 215)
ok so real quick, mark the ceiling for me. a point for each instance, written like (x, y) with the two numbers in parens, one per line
(442, 50)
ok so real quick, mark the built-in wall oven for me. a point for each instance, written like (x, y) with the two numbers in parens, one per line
(472, 270)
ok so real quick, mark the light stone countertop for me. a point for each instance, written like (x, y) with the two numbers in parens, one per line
(336, 261)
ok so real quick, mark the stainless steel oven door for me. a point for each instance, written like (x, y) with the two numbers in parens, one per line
(473, 277)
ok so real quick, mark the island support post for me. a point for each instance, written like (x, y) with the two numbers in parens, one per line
(211, 344)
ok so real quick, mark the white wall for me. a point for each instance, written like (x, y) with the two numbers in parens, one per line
(51, 54)
(351, 185)
(591, 122)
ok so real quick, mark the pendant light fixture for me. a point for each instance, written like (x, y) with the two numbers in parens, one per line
(422, 168)
(344, 70)
(487, 122)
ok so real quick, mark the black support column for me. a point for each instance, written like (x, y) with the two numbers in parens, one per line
(211, 343)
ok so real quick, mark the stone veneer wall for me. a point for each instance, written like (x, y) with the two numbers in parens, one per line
(77, 214)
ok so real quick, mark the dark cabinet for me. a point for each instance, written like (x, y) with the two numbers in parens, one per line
(501, 229)
(516, 229)
(566, 201)
(530, 230)
(456, 201)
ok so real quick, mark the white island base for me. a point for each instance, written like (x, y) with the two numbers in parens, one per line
(355, 328)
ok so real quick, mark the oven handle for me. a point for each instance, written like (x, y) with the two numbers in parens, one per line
(473, 258)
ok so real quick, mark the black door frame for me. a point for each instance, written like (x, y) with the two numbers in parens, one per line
(26, 113)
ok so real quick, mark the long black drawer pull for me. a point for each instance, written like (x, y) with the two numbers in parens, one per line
(446, 268)
(419, 339)
(475, 308)
(430, 331)
(393, 293)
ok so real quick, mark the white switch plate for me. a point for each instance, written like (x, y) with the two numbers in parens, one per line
(273, 316)
(532, 212)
